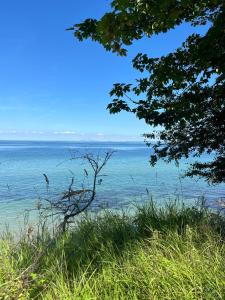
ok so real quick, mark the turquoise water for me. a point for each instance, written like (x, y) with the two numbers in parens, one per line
(129, 175)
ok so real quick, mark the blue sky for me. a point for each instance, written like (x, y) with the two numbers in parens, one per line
(54, 87)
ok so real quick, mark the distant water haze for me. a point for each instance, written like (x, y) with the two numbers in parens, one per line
(65, 135)
(129, 175)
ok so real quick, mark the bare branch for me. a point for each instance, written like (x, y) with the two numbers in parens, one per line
(75, 201)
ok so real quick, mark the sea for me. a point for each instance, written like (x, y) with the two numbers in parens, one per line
(127, 179)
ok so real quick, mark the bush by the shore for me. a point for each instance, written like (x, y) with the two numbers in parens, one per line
(174, 252)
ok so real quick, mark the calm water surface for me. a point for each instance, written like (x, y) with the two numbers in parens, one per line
(129, 175)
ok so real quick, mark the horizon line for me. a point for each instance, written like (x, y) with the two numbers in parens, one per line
(52, 140)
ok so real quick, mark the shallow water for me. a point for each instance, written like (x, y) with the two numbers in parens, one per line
(129, 175)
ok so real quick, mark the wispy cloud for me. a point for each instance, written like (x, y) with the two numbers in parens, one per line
(65, 132)
(65, 135)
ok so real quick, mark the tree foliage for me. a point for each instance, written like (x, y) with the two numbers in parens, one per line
(183, 92)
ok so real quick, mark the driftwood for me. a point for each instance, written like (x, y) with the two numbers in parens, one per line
(75, 201)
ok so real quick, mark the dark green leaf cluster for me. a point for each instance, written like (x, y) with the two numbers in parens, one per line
(182, 93)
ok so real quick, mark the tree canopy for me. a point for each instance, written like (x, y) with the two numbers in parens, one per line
(183, 92)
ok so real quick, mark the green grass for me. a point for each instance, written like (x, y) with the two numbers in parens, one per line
(174, 252)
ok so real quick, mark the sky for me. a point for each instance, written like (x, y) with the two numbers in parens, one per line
(53, 87)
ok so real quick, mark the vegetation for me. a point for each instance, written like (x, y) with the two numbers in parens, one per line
(75, 200)
(172, 252)
(183, 93)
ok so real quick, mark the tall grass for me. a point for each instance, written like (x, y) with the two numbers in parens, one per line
(172, 252)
